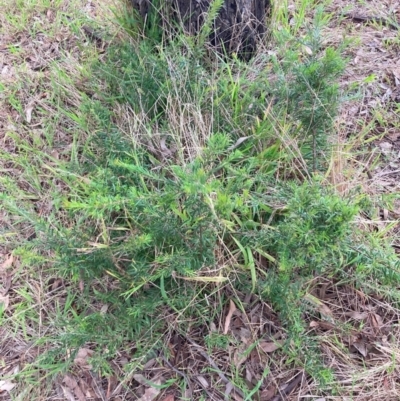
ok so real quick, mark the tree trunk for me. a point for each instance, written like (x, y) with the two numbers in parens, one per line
(236, 29)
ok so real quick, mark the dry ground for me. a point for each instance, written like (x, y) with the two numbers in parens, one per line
(42, 50)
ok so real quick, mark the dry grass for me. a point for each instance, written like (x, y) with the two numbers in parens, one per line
(44, 55)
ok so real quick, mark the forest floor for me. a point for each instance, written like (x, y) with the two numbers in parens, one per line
(46, 48)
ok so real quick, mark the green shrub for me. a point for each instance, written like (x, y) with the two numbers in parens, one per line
(307, 88)
(316, 225)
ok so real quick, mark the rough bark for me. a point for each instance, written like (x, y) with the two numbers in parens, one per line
(237, 28)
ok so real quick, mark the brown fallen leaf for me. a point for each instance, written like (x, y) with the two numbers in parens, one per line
(325, 312)
(28, 112)
(81, 358)
(169, 398)
(151, 363)
(86, 387)
(268, 393)
(232, 308)
(55, 284)
(271, 346)
(228, 390)
(236, 397)
(151, 393)
(140, 379)
(7, 280)
(249, 375)
(164, 149)
(4, 70)
(6, 385)
(7, 263)
(376, 321)
(357, 315)
(104, 309)
(386, 383)
(68, 394)
(203, 381)
(79, 393)
(245, 335)
(187, 394)
(4, 302)
(240, 356)
(361, 347)
(73, 385)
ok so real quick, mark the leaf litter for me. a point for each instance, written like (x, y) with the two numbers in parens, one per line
(6, 385)
(7, 263)
(72, 384)
(82, 357)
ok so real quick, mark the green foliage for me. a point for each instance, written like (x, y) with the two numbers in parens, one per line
(317, 234)
(147, 79)
(309, 237)
(308, 90)
(216, 340)
(152, 225)
(150, 28)
(207, 26)
(315, 226)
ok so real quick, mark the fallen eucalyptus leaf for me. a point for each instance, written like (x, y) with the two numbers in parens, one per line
(271, 346)
(4, 301)
(6, 385)
(7, 263)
